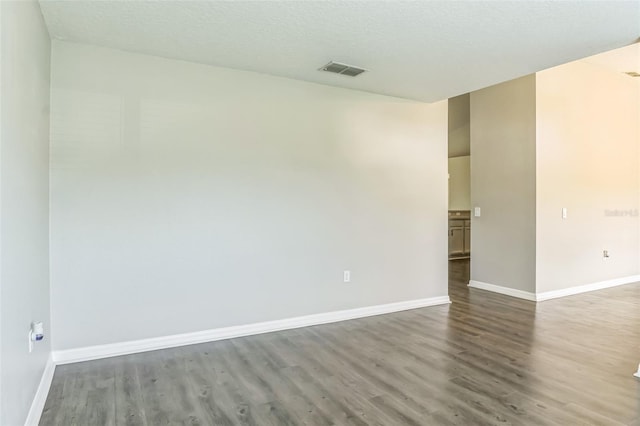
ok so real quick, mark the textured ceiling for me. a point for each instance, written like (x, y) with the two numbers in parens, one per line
(425, 50)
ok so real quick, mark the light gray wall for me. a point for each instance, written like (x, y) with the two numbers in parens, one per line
(588, 136)
(503, 184)
(24, 204)
(188, 197)
(459, 127)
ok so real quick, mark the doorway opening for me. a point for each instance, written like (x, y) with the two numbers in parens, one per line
(459, 208)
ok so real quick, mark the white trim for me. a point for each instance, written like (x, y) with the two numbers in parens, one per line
(39, 399)
(587, 287)
(547, 295)
(143, 345)
(503, 290)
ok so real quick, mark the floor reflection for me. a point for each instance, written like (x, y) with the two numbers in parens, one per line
(568, 359)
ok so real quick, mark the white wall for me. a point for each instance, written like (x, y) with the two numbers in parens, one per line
(24, 204)
(587, 161)
(503, 184)
(460, 183)
(187, 197)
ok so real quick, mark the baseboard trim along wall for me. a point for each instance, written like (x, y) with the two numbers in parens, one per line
(124, 348)
(37, 405)
(520, 294)
(546, 295)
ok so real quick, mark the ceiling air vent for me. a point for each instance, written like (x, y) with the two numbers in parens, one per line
(633, 73)
(343, 69)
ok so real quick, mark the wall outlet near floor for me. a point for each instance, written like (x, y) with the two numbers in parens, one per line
(346, 276)
(605, 254)
(36, 334)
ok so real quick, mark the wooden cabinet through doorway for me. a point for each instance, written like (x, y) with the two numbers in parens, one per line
(459, 234)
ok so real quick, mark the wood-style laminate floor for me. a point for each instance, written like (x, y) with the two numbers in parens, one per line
(486, 359)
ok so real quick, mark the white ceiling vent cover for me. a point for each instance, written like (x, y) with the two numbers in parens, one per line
(343, 69)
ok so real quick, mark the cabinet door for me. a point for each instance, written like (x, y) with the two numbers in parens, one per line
(467, 240)
(456, 241)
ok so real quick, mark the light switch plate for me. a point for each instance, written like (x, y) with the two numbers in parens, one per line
(564, 212)
(476, 212)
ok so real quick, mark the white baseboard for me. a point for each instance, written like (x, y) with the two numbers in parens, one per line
(33, 418)
(503, 290)
(546, 295)
(130, 347)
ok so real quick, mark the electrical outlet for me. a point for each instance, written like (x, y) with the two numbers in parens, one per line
(36, 334)
(346, 276)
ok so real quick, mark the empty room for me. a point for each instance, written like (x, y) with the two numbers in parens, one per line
(319, 213)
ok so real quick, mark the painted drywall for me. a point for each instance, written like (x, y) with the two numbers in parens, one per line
(459, 126)
(587, 162)
(187, 197)
(460, 183)
(503, 184)
(459, 149)
(24, 204)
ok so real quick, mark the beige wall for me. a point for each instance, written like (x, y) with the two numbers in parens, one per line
(187, 197)
(459, 128)
(503, 167)
(459, 183)
(568, 137)
(24, 204)
(587, 161)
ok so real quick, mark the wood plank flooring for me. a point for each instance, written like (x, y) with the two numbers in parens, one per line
(486, 359)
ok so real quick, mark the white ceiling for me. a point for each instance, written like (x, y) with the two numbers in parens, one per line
(425, 50)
